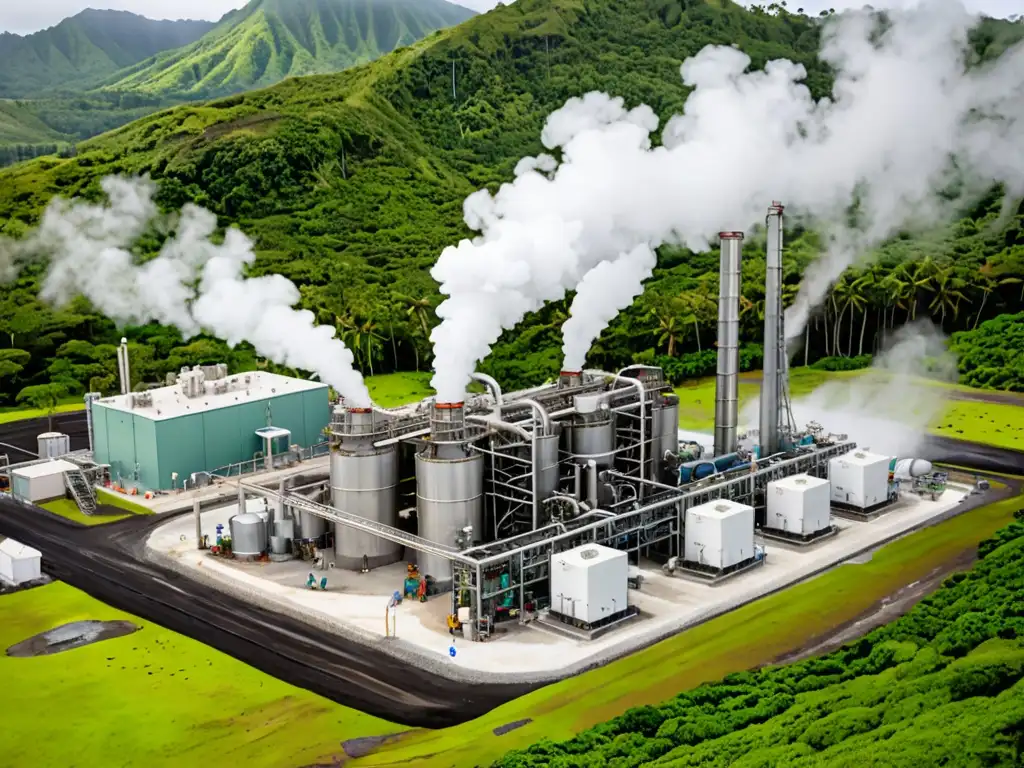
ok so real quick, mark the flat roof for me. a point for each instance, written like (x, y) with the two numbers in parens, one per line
(53, 467)
(18, 551)
(720, 508)
(249, 387)
(862, 458)
(798, 482)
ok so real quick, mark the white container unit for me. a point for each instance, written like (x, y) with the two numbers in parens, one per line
(859, 479)
(589, 583)
(719, 534)
(53, 444)
(799, 504)
(40, 482)
(19, 563)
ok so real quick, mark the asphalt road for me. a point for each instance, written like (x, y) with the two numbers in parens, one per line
(107, 563)
(18, 438)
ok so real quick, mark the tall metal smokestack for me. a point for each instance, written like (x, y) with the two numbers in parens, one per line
(773, 381)
(727, 384)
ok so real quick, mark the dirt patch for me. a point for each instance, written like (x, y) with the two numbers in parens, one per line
(68, 636)
(501, 730)
(887, 609)
(361, 747)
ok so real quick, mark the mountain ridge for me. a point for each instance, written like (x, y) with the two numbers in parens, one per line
(269, 40)
(84, 48)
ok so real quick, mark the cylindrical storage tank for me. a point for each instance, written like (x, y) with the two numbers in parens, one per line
(906, 468)
(285, 529)
(53, 444)
(592, 436)
(547, 465)
(669, 434)
(310, 526)
(449, 496)
(365, 484)
(248, 535)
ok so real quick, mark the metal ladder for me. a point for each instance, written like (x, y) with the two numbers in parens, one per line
(81, 491)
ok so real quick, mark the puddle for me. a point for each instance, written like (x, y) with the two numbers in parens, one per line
(68, 636)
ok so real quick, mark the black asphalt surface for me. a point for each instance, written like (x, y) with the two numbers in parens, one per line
(18, 438)
(108, 563)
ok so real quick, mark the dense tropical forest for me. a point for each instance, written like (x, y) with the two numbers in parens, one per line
(99, 70)
(351, 185)
(940, 686)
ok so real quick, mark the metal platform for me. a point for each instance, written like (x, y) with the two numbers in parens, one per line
(713, 577)
(798, 541)
(563, 625)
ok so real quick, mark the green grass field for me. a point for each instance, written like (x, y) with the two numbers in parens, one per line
(67, 508)
(152, 698)
(17, 413)
(784, 622)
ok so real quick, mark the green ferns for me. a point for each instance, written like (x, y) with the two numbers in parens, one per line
(940, 686)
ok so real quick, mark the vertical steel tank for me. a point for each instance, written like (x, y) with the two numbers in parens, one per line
(773, 378)
(591, 433)
(248, 535)
(449, 488)
(547, 464)
(364, 482)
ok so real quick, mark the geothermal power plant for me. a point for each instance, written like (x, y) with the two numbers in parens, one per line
(533, 504)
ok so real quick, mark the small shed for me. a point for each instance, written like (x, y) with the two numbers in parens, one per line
(40, 482)
(19, 563)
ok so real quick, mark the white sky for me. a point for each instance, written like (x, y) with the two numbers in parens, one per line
(25, 16)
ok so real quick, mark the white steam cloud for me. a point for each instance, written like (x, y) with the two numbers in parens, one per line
(193, 284)
(889, 408)
(906, 121)
(603, 292)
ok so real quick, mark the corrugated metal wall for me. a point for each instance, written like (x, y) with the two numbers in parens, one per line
(202, 442)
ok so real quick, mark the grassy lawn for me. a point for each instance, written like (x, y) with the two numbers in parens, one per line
(152, 698)
(17, 413)
(67, 508)
(391, 389)
(997, 424)
(784, 622)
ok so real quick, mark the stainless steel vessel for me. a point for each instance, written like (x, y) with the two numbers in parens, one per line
(727, 381)
(248, 535)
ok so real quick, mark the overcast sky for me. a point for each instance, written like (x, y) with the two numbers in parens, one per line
(24, 16)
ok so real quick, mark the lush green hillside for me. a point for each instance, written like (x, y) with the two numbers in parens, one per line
(269, 40)
(943, 685)
(353, 183)
(85, 48)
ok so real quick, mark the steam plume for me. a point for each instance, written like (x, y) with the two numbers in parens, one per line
(605, 291)
(889, 408)
(193, 284)
(906, 120)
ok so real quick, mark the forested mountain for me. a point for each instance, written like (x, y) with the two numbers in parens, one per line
(85, 48)
(269, 40)
(351, 185)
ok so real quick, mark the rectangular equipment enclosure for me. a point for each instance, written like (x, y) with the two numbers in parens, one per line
(859, 479)
(799, 504)
(719, 534)
(40, 482)
(19, 563)
(589, 583)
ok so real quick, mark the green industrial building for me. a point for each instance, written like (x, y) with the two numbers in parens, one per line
(156, 440)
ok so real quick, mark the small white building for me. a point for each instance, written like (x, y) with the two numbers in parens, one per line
(719, 534)
(859, 479)
(798, 504)
(19, 563)
(589, 583)
(40, 482)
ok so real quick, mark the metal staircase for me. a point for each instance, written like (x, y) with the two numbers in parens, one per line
(81, 491)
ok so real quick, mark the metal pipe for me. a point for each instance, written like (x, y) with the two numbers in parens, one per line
(652, 483)
(643, 410)
(592, 483)
(491, 421)
(199, 523)
(771, 389)
(491, 384)
(727, 379)
(539, 411)
(578, 480)
(122, 366)
(90, 398)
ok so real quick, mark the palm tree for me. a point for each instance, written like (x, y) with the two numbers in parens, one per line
(369, 342)
(947, 293)
(988, 282)
(860, 294)
(418, 309)
(670, 327)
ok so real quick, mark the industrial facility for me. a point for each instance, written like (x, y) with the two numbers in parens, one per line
(504, 506)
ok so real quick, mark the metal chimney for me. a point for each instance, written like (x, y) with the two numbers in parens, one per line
(772, 383)
(122, 367)
(727, 384)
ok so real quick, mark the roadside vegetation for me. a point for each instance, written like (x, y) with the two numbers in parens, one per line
(68, 509)
(152, 698)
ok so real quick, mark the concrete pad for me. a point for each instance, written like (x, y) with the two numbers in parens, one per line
(356, 603)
